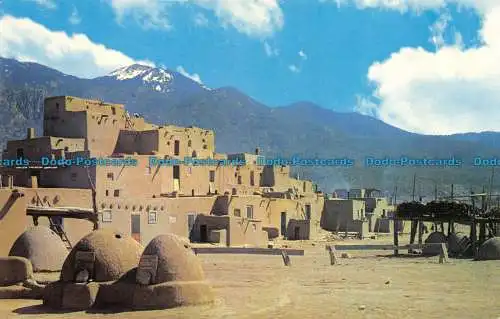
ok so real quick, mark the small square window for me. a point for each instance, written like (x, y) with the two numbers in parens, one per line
(116, 193)
(107, 216)
(110, 176)
(152, 217)
(237, 212)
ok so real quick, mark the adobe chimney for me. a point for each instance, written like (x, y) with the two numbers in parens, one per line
(31, 132)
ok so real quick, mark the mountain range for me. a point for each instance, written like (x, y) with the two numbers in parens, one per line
(242, 123)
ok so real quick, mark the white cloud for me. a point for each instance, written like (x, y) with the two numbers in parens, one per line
(252, 17)
(76, 54)
(482, 6)
(303, 55)
(294, 68)
(200, 20)
(438, 29)
(194, 76)
(270, 51)
(448, 91)
(48, 4)
(74, 18)
(150, 14)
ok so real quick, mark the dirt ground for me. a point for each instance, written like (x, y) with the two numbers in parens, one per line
(367, 285)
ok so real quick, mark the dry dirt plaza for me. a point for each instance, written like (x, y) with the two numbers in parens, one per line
(370, 284)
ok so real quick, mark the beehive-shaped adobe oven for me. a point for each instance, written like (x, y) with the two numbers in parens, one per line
(434, 238)
(170, 275)
(105, 254)
(43, 247)
(490, 249)
(175, 260)
(458, 244)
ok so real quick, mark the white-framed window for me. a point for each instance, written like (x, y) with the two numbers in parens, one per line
(250, 211)
(152, 217)
(107, 216)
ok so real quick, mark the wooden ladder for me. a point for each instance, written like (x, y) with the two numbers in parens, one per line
(60, 231)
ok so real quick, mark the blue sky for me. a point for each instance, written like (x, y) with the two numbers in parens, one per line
(318, 51)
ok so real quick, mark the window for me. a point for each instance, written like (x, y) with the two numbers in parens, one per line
(176, 147)
(116, 193)
(107, 192)
(239, 179)
(107, 216)
(113, 110)
(237, 212)
(189, 143)
(20, 153)
(177, 172)
(110, 176)
(152, 217)
(212, 176)
(252, 178)
(250, 212)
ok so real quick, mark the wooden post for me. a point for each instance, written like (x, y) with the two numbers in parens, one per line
(443, 256)
(482, 232)
(413, 232)
(420, 232)
(333, 257)
(396, 237)
(286, 258)
(473, 237)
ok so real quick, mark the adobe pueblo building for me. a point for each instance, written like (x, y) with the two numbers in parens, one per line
(145, 182)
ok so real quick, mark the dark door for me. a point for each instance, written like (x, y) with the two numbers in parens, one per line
(191, 221)
(283, 223)
(176, 147)
(136, 227)
(297, 232)
(203, 233)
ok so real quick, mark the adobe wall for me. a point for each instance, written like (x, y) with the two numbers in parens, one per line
(31, 148)
(13, 221)
(298, 230)
(339, 213)
(201, 141)
(246, 232)
(67, 177)
(172, 214)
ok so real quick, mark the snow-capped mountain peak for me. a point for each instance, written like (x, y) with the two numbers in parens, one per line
(156, 78)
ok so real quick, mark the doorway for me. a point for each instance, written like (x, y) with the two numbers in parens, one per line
(136, 227)
(203, 233)
(283, 223)
(296, 233)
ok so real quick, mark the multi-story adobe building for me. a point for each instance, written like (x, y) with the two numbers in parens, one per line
(148, 179)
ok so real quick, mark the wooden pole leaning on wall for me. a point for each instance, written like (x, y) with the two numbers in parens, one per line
(286, 258)
(395, 227)
(333, 255)
(443, 255)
